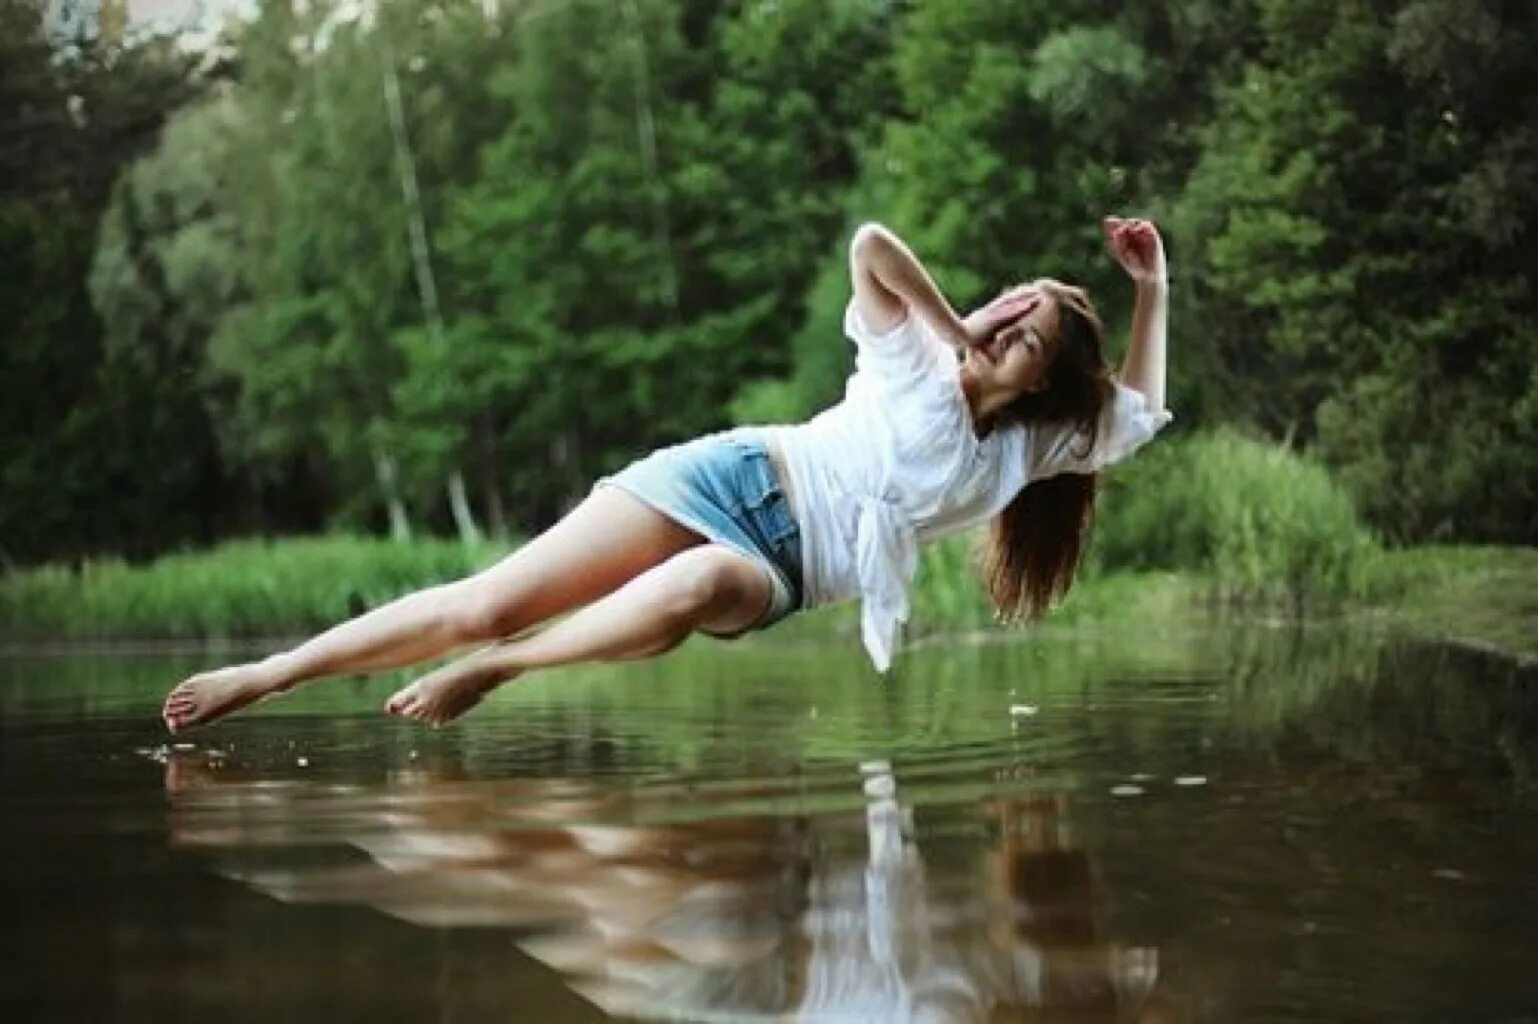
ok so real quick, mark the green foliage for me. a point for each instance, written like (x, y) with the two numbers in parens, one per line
(1478, 597)
(73, 114)
(1255, 521)
(1083, 74)
(1357, 217)
(629, 224)
(240, 589)
(948, 591)
(1259, 520)
(165, 271)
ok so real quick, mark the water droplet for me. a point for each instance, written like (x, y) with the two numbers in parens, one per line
(1190, 780)
(1023, 709)
(303, 762)
(1126, 790)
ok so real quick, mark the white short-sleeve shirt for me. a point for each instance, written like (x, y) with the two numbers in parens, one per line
(896, 464)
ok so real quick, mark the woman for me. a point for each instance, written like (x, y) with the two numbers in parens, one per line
(732, 532)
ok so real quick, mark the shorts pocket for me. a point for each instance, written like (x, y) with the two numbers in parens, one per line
(765, 500)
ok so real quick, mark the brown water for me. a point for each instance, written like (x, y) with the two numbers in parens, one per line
(1271, 825)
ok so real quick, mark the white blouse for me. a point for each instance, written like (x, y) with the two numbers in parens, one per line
(896, 464)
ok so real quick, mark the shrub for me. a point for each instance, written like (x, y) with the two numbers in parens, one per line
(1261, 520)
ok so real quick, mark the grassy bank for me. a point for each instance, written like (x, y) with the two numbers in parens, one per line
(1217, 524)
(1212, 523)
(239, 589)
(1484, 598)
(1481, 597)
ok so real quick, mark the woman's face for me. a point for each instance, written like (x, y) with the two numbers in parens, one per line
(1019, 356)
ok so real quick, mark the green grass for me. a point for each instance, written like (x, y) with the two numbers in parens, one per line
(1212, 518)
(1481, 596)
(948, 594)
(1263, 523)
(1211, 522)
(1217, 523)
(239, 589)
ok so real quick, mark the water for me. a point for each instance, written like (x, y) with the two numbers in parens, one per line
(1260, 825)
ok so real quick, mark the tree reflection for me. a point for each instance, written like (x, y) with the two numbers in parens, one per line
(658, 904)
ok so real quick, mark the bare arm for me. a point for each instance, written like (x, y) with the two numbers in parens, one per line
(889, 282)
(1138, 248)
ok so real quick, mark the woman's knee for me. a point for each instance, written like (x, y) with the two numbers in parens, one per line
(708, 582)
(474, 611)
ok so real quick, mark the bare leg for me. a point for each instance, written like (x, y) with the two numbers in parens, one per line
(710, 587)
(610, 538)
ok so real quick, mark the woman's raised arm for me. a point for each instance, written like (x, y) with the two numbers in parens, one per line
(1138, 248)
(889, 282)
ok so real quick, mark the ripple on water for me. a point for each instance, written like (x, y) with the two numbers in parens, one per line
(721, 836)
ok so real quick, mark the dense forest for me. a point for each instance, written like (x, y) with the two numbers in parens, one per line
(431, 267)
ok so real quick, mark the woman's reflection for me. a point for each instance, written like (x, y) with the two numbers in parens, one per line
(660, 906)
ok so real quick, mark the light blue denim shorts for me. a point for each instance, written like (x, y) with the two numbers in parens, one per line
(724, 487)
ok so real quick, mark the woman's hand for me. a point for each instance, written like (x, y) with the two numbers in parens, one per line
(986, 321)
(1136, 245)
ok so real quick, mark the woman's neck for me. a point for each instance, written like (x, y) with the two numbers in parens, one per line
(982, 402)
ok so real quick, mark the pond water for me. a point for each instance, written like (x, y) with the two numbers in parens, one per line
(1187, 824)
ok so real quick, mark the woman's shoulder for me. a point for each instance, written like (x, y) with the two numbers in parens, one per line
(903, 354)
(1126, 423)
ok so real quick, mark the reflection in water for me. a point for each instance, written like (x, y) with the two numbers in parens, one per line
(659, 907)
(1363, 847)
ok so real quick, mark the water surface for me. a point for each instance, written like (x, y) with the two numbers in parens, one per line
(1198, 825)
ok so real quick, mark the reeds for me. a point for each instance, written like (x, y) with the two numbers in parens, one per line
(238, 589)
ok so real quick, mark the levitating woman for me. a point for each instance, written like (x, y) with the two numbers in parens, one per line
(1004, 416)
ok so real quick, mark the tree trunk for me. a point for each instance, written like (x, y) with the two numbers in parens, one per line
(459, 504)
(496, 511)
(421, 256)
(646, 134)
(384, 473)
(487, 472)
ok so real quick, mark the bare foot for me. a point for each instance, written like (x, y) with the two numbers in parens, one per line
(446, 693)
(212, 695)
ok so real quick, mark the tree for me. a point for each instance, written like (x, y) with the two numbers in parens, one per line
(76, 111)
(165, 271)
(1360, 210)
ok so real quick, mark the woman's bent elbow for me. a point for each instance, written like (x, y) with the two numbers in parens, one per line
(866, 236)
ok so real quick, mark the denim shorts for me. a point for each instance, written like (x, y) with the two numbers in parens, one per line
(723, 486)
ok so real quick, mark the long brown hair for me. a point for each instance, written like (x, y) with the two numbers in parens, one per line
(1034, 545)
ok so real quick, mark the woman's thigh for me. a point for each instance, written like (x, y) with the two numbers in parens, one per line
(599, 546)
